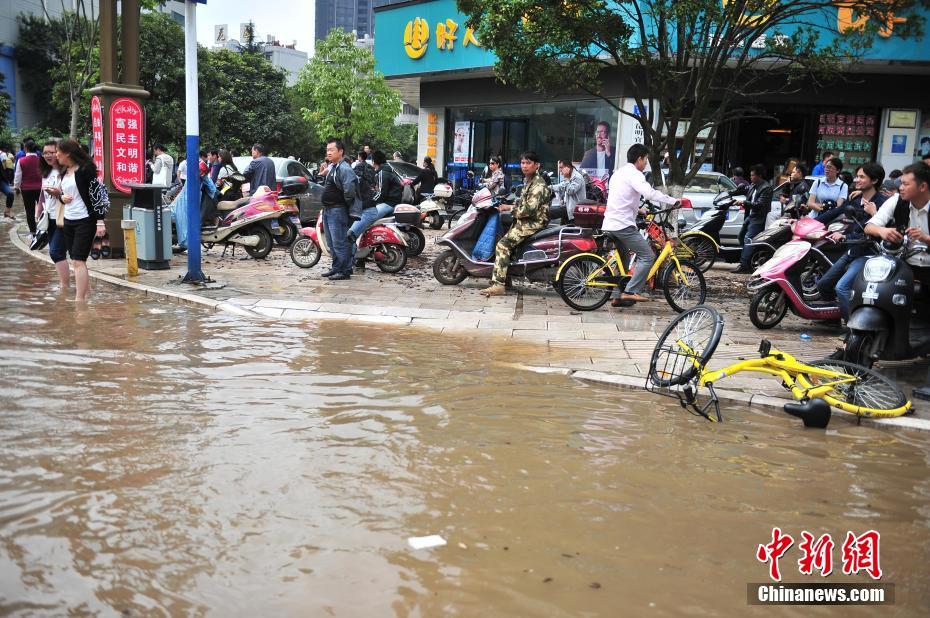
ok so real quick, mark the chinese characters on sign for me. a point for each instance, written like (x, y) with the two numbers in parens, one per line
(849, 136)
(127, 144)
(859, 553)
(96, 123)
(432, 129)
(416, 37)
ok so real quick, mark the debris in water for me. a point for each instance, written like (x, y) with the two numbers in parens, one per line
(595, 585)
(547, 580)
(426, 542)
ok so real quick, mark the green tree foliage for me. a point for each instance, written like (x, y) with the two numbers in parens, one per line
(77, 65)
(35, 54)
(161, 73)
(4, 103)
(691, 65)
(243, 98)
(344, 96)
(245, 101)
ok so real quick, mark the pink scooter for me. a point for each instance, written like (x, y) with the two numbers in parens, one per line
(776, 287)
(382, 241)
(250, 224)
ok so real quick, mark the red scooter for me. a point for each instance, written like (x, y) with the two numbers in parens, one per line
(382, 241)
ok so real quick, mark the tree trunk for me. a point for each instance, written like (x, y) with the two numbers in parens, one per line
(675, 191)
(75, 112)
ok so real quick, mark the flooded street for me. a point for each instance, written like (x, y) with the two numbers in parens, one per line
(158, 459)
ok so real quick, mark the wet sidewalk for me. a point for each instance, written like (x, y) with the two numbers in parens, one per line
(607, 345)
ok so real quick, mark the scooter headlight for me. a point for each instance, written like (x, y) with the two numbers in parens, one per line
(878, 269)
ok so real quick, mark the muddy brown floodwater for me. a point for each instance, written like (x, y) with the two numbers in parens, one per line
(157, 459)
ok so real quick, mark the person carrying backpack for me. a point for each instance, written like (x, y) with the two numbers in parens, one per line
(386, 193)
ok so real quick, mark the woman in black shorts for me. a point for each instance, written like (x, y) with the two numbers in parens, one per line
(80, 224)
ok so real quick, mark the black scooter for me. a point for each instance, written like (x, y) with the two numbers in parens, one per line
(703, 236)
(889, 312)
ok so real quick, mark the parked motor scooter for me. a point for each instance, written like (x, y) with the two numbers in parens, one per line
(382, 242)
(436, 207)
(289, 221)
(408, 219)
(536, 258)
(889, 311)
(285, 225)
(249, 224)
(790, 226)
(703, 236)
(779, 285)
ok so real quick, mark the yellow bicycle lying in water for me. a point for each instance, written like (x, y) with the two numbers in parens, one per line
(679, 367)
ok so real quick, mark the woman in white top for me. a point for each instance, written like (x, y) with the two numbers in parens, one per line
(80, 223)
(48, 201)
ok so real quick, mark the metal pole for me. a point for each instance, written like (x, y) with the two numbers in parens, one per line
(194, 268)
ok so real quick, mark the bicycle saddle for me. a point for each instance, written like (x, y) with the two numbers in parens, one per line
(814, 412)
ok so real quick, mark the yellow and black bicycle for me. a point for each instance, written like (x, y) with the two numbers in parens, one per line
(678, 368)
(585, 281)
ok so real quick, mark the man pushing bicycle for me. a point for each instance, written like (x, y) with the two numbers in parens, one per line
(627, 186)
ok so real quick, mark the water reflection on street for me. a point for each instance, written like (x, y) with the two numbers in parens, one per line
(158, 459)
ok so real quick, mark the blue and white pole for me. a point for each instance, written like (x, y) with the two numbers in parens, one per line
(194, 268)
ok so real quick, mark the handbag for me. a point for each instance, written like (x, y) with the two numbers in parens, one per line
(42, 223)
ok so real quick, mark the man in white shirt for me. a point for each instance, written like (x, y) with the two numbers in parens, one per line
(627, 186)
(909, 210)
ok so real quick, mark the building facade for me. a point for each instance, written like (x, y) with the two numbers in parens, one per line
(466, 115)
(350, 15)
(287, 58)
(22, 110)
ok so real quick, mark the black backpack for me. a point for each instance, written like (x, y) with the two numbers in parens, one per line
(366, 182)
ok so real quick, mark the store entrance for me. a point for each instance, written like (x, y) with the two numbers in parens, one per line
(507, 138)
(769, 141)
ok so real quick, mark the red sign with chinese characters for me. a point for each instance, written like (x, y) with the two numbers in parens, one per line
(127, 144)
(96, 123)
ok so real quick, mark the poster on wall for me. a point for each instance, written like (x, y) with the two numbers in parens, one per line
(96, 123)
(898, 144)
(461, 144)
(923, 140)
(127, 144)
(595, 140)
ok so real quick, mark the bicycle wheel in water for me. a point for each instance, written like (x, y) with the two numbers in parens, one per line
(572, 282)
(685, 346)
(871, 395)
(684, 288)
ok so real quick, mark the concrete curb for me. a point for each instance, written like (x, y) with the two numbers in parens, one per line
(622, 381)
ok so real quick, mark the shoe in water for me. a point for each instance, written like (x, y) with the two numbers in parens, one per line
(340, 277)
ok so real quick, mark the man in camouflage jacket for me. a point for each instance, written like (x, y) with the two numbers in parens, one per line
(530, 214)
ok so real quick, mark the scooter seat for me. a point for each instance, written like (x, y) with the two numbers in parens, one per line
(228, 205)
(545, 233)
